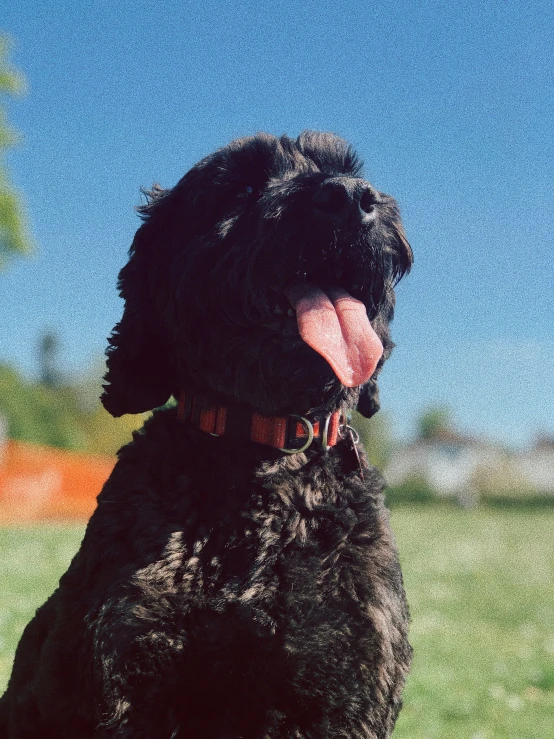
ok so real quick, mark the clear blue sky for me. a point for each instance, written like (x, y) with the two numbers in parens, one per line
(450, 104)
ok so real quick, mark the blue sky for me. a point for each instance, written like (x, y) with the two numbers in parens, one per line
(451, 105)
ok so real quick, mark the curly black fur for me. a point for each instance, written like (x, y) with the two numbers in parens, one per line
(224, 589)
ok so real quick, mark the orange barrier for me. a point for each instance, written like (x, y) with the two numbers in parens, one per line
(40, 483)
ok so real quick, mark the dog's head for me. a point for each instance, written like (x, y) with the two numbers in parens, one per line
(247, 278)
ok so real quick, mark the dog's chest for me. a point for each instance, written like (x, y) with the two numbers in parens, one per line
(294, 549)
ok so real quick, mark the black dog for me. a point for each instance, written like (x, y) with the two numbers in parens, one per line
(239, 577)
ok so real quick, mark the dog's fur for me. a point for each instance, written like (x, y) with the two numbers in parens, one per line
(225, 589)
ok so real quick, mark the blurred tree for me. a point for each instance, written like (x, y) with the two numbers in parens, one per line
(104, 434)
(435, 423)
(48, 347)
(375, 435)
(14, 238)
(68, 416)
(40, 414)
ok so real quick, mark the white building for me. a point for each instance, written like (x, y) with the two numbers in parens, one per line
(465, 468)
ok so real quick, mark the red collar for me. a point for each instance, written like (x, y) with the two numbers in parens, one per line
(290, 434)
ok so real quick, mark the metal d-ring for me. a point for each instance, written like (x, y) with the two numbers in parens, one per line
(309, 429)
(354, 435)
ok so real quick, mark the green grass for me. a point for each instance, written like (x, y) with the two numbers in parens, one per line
(32, 559)
(481, 591)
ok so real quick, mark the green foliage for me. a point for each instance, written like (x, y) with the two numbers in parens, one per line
(375, 435)
(481, 594)
(58, 416)
(14, 238)
(416, 490)
(39, 414)
(434, 423)
(413, 490)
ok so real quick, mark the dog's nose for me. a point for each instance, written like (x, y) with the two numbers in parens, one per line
(342, 200)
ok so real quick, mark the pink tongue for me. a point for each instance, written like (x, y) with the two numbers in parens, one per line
(337, 327)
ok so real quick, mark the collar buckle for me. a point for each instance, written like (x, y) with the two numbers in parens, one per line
(310, 432)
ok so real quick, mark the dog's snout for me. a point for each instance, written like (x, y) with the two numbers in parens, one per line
(345, 199)
(369, 197)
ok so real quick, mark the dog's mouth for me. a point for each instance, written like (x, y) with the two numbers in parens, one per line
(334, 324)
(328, 300)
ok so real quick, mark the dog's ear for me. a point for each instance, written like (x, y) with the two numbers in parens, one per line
(140, 373)
(368, 402)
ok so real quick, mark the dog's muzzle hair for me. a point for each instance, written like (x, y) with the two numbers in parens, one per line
(208, 284)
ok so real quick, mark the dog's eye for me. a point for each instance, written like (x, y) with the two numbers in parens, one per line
(245, 192)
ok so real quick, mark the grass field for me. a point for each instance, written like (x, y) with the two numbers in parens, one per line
(481, 590)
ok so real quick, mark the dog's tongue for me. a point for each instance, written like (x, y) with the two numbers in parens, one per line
(337, 327)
